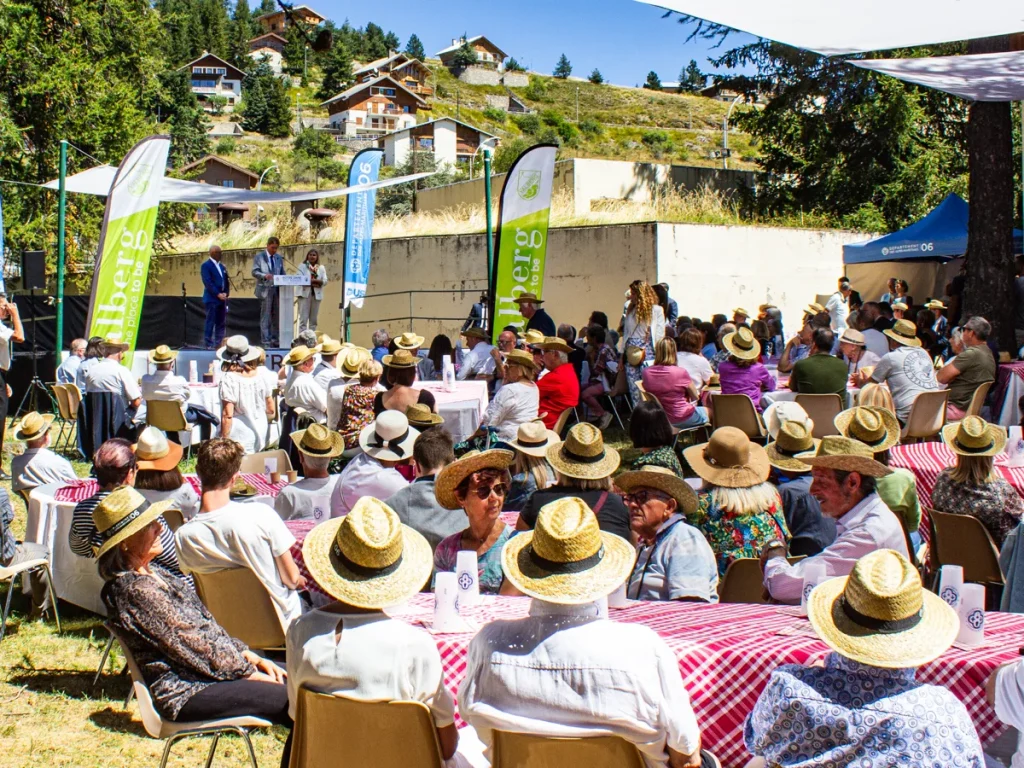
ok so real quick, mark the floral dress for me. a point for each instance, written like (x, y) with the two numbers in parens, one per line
(660, 457)
(356, 413)
(731, 535)
(645, 335)
(488, 564)
(996, 504)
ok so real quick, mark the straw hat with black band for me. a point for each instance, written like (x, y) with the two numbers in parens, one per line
(354, 357)
(237, 349)
(877, 428)
(742, 344)
(155, 451)
(122, 514)
(533, 439)
(974, 437)
(420, 415)
(368, 558)
(583, 455)
(660, 479)
(729, 459)
(556, 344)
(793, 441)
(567, 559)
(852, 336)
(329, 347)
(476, 333)
(389, 437)
(162, 354)
(409, 340)
(33, 426)
(521, 358)
(532, 337)
(528, 298)
(935, 304)
(741, 312)
(318, 441)
(814, 308)
(300, 354)
(881, 616)
(846, 455)
(449, 478)
(402, 358)
(904, 332)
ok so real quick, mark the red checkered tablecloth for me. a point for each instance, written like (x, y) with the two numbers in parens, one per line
(83, 489)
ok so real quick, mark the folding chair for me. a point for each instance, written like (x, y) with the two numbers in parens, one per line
(174, 519)
(823, 410)
(345, 733)
(524, 750)
(927, 416)
(241, 604)
(253, 463)
(562, 419)
(978, 399)
(644, 394)
(10, 573)
(166, 415)
(64, 417)
(963, 540)
(738, 411)
(743, 581)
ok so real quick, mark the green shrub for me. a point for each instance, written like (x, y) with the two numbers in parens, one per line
(536, 90)
(495, 114)
(528, 123)
(225, 146)
(507, 153)
(569, 134)
(590, 127)
(658, 142)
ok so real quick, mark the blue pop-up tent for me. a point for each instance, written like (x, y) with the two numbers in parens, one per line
(939, 236)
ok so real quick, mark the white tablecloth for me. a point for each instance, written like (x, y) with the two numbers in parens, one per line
(789, 395)
(462, 408)
(208, 396)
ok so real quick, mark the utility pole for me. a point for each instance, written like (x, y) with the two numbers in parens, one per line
(61, 219)
(577, 105)
(457, 105)
(305, 50)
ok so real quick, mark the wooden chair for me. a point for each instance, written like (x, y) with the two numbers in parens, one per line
(344, 733)
(978, 399)
(253, 463)
(240, 603)
(927, 416)
(562, 420)
(64, 419)
(737, 411)
(823, 410)
(963, 540)
(743, 581)
(174, 519)
(524, 750)
(167, 416)
(644, 394)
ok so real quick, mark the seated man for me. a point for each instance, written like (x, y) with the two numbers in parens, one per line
(386, 443)
(230, 534)
(564, 671)
(164, 384)
(907, 368)
(820, 373)
(863, 706)
(560, 386)
(969, 369)
(109, 375)
(38, 465)
(14, 552)
(844, 474)
(327, 370)
(67, 370)
(310, 497)
(302, 389)
(477, 363)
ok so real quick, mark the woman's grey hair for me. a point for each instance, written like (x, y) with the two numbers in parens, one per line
(381, 337)
(725, 330)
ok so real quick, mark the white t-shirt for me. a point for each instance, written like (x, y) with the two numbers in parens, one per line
(838, 309)
(1010, 704)
(305, 392)
(364, 476)
(326, 375)
(477, 361)
(110, 376)
(514, 404)
(308, 499)
(908, 371)
(39, 466)
(697, 366)
(238, 535)
(249, 395)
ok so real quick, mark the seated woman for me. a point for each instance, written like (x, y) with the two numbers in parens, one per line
(246, 403)
(973, 487)
(158, 477)
(673, 387)
(652, 434)
(401, 371)
(194, 670)
(517, 401)
(742, 373)
(477, 483)
(531, 470)
(357, 404)
(603, 364)
(440, 346)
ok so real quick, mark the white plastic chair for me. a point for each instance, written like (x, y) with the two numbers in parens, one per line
(10, 573)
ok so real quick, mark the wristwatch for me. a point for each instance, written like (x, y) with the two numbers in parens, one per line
(773, 544)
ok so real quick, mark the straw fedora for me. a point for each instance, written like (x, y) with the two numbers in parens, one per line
(729, 459)
(300, 354)
(368, 558)
(742, 344)
(661, 479)
(532, 337)
(122, 514)
(389, 437)
(877, 428)
(402, 358)
(533, 439)
(741, 311)
(935, 304)
(852, 336)
(330, 346)
(155, 451)
(420, 415)
(583, 454)
(475, 333)
(880, 615)
(529, 298)
(354, 357)
(110, 345)
(409, 340)
(846, 455)
(900, 306)
(567, 559)
(448, 479)
(556, 344)
(162, 354)
(781, 411)
(974, 437)
(237, 349)
(318, 441)
(33, 426)
(519, 357)
(794, 440)
(814, 308)
(904, 332)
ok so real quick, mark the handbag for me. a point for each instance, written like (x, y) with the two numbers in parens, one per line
(635, 355)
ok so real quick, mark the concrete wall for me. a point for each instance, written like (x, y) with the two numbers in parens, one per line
(444, 143)
(472, 192)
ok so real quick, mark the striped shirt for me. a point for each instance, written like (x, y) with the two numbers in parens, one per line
(7, 543)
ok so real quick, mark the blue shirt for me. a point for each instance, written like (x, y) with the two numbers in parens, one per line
(378, 353)
(850, 714)
(66, 371)
(680, 563)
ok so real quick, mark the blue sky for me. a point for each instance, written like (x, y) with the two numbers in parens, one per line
(622, 38)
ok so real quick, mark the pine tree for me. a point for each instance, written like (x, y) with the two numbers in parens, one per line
(267, 6)
(374, 44)
(279, 112)
(563, 69)
(337, 71)
(254, 115)
(187, 122)
(414, 48)
(691, 79)
(241, 30)
(513, 65)
(212, 18)
(653, 81)
(392, 42)
(596, 77)
(465, 56)
(294, 49)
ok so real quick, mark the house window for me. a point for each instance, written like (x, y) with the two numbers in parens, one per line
(204, 83)
(405, 109)
(426, 143)
(227, 183)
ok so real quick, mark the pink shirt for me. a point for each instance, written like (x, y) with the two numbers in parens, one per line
(668, 383)
(750, 381)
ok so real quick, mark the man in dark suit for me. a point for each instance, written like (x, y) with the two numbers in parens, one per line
(265, 265)
(477, 315)
(216, 289)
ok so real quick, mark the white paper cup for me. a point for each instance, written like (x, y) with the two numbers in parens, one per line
(446, 602)
(972, 615)
(468, 578)
(193, 372)
(951, 585)
(814, 574)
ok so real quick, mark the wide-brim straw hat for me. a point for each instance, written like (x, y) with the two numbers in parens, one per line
(877, 428)
(781, 411)
(900, 306)
(300, 354)
(330, 346)
(33, 426)
(528, 297)
(532, 337)
(354, 357)
(237, 349)
(881, 616)
(729, 459)
(794, 440)
(110, 345)
(402, 358)
(318, 441)
(476, 333)
(661, 479)
(368, 558)
(155, 451)
(742, 344)
(420, 415)
(814, 308)
(904, 332)
(522, 358)
(583, 454)
(741, 311)
(162, 354)
(409, 340)
(853, 336)
(448, 479)
(974, 437)
(556, 344)
(389, 437)
(123, 513)
(534, 439)
(935, 304)
(567, 559)
(846, 455)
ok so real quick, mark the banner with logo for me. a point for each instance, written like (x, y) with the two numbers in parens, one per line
(126, 243)
(522, 239)
(359, 226)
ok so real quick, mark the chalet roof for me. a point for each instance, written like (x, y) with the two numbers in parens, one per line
(203, 161)
(471, 40)
(440, 120)
(207, 54)
(294, 9)
(344, 95)
(268, 34)
(387, 60)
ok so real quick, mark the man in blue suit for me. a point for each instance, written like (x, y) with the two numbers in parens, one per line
(265, 265)
(216, 289)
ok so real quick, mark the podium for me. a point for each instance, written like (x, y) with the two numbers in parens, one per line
(286, 285)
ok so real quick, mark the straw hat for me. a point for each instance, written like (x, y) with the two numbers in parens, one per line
(420, 415)
(567, 559)
(583, 455)
(33, 426)
(900, 306)
(155, 451)
(877, 428)
(236, 349)
(847, 455)
(935, 304)
(729, 459)
(368, 558)
(110, 345)
(814, 308)
(402, 358)
(528, 297)
(318, 441)
(448, 479)
(532, 337)
(661, 479)
(793, 441)
(533, 439)
(880, 615)
(476, 333)
(974, 437)
(556, 344)
(904, 332)
(852, 336)
(409, 340)
(519, 357)
(354, 357)
(122, 514)
(300, 354)
(389, 437)
(330, 346)
(781, 411)
(741, 311)
(742, 344)
(162, 354)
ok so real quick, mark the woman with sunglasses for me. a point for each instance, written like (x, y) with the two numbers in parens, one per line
(477, 483)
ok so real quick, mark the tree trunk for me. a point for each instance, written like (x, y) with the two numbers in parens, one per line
(990, 269)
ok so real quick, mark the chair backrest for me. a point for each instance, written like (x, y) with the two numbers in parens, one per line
(927, 414)
(174, 519)
(978, 399)
(63, 401)
(736, 411)
(524, 750)
(644, 394)
(151, 719)
(74, 398)
(743, 581)
(240, 603)
(166, 415)
(562, 419)
(963, 540)
(344, 733)
(254, 461)
(823, 410)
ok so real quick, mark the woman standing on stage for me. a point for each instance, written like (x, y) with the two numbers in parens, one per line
(311, 295)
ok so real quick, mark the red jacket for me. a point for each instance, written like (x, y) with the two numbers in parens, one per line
(559, 389)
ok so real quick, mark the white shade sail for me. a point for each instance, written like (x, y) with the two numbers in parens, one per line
(833, 27)
(979, 77)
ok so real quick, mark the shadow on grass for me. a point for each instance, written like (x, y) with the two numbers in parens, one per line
(119, 721)
(74, 683)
